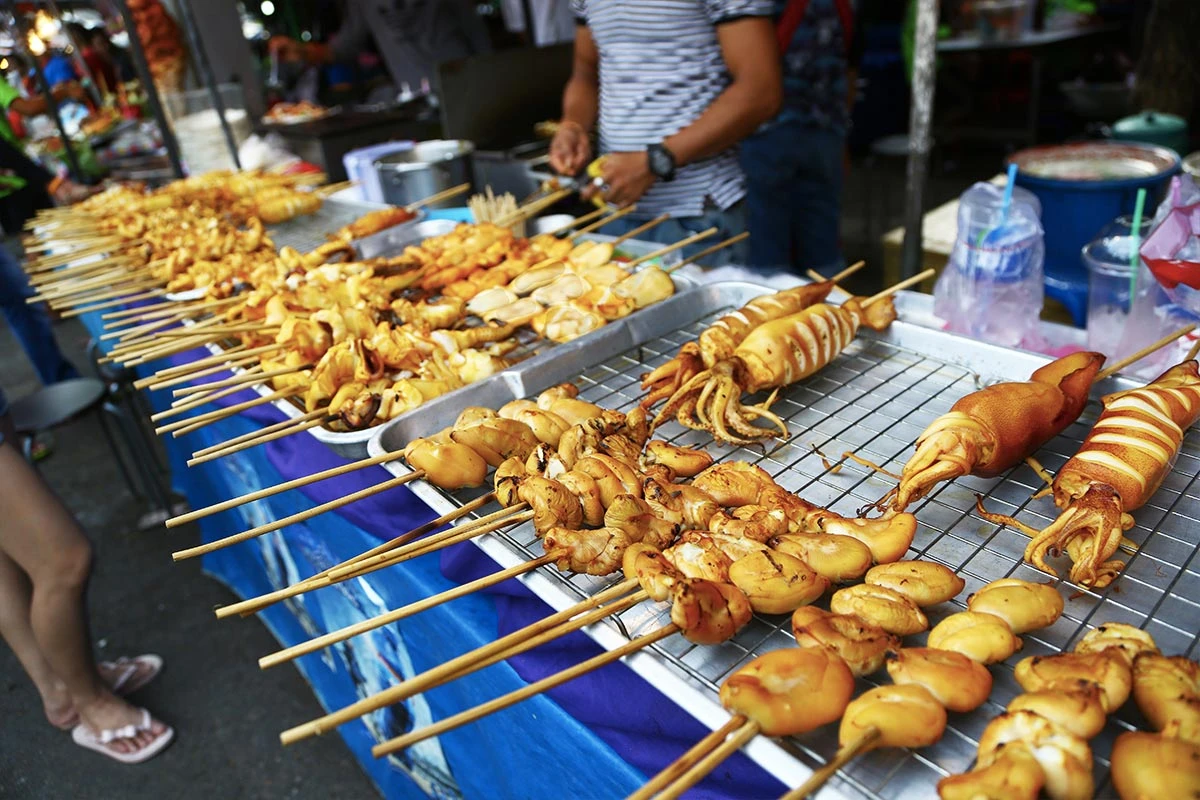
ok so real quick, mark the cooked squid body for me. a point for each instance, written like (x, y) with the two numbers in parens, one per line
(547, 426)
(860, 644)
(518, 313)
(838, 559)
(490, 300)
(1125, 639)
(566, 321)
(790, 691)
(447, 465)
(1066, 760)
(776, 583)
(637, 518)
(905, 715)
(587, 493)
(750, 522)
(700, 556)
(589, 254)
(924, 582)
(534, 279)
(1167, 690)
(686, 462)
(570, 409)
(592, 552)
(507, 480)
(1079, 711)
(708, 612)
(1107, 670)
(1010, 774)
(881, 606)
(553, 504)
(957, 682)
(646, 287)
(888, 538)
(1148, 766)
(980, 637)
(1023, 605)
(734, 547)
(497, 439)
(653, 571)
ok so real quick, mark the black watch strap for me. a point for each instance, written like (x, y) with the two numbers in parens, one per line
(662, 161)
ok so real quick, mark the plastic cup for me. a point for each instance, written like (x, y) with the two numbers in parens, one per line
(1108, 296)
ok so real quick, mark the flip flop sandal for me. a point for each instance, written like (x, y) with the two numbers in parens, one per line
(133, 673)
(100, 742)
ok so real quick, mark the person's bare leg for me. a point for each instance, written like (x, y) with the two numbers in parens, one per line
(42, 538)
(15, 595)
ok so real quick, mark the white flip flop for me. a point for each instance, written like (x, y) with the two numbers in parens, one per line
(128, 681)
(100, 742)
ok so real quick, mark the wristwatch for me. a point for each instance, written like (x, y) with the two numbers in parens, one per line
(662, 161)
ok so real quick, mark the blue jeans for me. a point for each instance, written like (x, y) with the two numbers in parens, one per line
(793, 198)
(729, 222)
(31, 323)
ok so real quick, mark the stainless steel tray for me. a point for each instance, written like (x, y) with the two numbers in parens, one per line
(393, 240)
(876, 398)
(306, 233)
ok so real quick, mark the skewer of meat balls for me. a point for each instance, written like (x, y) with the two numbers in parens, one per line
(1040, 743)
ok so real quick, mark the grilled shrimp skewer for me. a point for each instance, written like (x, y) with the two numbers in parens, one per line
(1117, 470)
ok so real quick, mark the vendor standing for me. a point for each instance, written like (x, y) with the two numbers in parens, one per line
(673, 86)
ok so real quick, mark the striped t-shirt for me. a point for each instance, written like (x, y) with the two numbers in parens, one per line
(660, 68)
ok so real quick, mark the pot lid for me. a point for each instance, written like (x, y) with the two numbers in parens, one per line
(1149, 122)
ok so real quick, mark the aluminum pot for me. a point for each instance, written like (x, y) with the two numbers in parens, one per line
(426, 169)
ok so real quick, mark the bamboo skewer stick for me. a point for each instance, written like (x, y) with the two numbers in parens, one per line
(292, 428)
(162, 350)
(710, 762)
(66, 262)
(624, 237)
(527, 211)
(695, 237)
(57, 290)
(231, 445)
(842, 758)
(79, 241)
(50, 263)
(90, 292)
(191, 403)
(836, 279)
(240, 378)
(514, 697)
(333, 188)
(154, 382)
(708, 251)
(75, 312)
(1191, 354)
(168, 307)
(217, 359)
(433, 677)
(358, 628)
(138, 312)
(904, 284)
(580, 220)
(185, 426)
(139, 343)
(79, 272)
(679, 766)
(600, 223)
(137, 331)
(1145, 351)
(229, 330)
(123, 293)
(438, 197)
(295, 483)
(244, 536)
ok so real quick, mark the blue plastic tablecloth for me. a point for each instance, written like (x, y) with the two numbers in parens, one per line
(594, 737)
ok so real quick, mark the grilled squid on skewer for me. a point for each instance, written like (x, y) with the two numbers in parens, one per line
(991, 430)
(1119, 467)
(790, 691)
(980, 637)
(1146, 766)
(957, 682)
(862, 645)
(1065, 759)
(1167, 690)
(1024, 606)
(771, 356)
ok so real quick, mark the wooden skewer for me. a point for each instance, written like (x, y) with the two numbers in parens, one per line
(137, 312)
(676, 768)
(192, 403)
(600, 223)
(168, 307)
(156, 382)
(843, 757)
(59, 290)
(1145, 351)
(295, 483)
(580, 220)
(60, 263)
(438, 197)
(75, 312)
(420, 683)
(243, 377)
(350, 631)
(137, 331)
(527, 211)
(708, 251)
(79, 272)
(841, 276)
(86, 293)
(244, 536)
(161, 350)
(185, 426)
(695, 237)
(292, 428)
(229, 330)
(78, 241)
(216, 359)
(904, 284)
(150, 342)
(514, 697)
(333, 188)
(123, 293)
(710, 762)
(640, 229)
(319, 415)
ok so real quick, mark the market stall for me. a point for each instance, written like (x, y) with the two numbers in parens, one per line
(771, 486)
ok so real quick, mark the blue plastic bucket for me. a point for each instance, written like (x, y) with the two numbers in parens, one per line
(1083, 187)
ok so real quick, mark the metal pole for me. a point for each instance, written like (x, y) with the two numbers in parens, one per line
(147, 78)
(80, 64)
(210, 80)
(919, 122)
(22, 33)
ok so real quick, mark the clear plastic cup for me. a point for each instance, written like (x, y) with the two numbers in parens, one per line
(1108, 260)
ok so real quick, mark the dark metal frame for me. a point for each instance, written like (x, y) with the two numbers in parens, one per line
(204, 67)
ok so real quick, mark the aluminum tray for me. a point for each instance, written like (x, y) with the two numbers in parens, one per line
(876, 398)
(306, 233)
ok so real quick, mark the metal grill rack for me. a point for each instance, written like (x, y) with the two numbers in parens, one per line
(310, 231)
(875, 399)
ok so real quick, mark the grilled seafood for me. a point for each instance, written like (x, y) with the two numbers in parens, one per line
(981, 435)
(862, 645)
(1064, 670)
(1167, 690)
(957, 682)
(838, 559)
(1024, 606)
(1146, 766)
(980, 637)
(1078, 711)
(923, 582)
(905, 715)
(776, 583)
(708, 612)
(790, 691)
(1065, 760)
(1128, 641)
(887, 608)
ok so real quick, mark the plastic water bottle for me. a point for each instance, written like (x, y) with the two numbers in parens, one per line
(992, 288)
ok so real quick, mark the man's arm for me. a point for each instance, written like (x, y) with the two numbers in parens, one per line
(32, 106)
(571, 149)
(753, 96)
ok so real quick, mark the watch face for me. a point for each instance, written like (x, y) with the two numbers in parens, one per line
(661, 163)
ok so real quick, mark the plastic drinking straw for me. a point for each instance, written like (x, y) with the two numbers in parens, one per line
(1005, 202)
(1135, 259)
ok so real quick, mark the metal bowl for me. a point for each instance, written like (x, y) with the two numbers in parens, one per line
(424, 170)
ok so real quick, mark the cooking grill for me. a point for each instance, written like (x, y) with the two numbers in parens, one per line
(876, 399)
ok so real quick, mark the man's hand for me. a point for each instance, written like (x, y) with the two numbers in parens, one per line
(570, 149)
(286, 49)
(627, 176)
